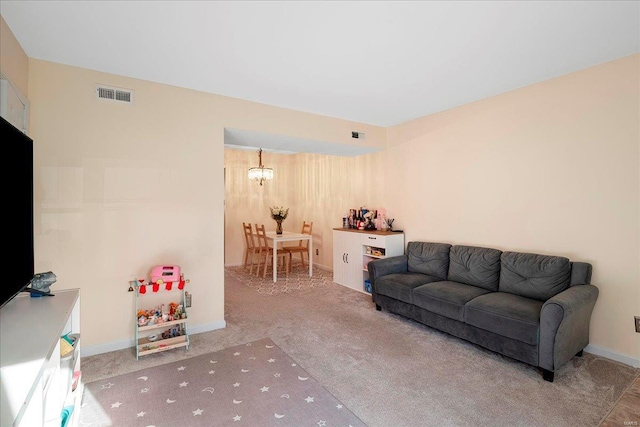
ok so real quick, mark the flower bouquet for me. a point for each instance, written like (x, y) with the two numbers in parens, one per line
(279, 214)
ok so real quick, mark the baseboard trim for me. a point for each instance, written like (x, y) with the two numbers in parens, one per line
(92, 350)
(221, 324)
(622, 358)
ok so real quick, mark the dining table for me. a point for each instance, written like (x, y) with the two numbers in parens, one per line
(288, 236)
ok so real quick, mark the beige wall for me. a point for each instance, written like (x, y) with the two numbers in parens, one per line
(14, 63)
(121, 188)
(551, 168)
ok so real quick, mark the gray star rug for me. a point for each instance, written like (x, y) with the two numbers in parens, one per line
(250, 385)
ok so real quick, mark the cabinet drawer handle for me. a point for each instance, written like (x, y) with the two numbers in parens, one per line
(373, 238)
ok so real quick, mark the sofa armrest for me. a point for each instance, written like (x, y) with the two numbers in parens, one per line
(564, 325)
(381, 267)
(384, 266)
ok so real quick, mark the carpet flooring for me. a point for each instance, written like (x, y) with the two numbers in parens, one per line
(298, 279)
(254, 384)
(390, 371)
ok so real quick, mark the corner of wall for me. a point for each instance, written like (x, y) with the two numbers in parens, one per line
(14, 62)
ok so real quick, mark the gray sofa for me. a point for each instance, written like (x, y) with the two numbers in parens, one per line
(530, 307)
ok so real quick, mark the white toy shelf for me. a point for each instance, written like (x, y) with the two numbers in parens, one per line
(163, 327)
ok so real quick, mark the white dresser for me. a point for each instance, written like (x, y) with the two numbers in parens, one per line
(36, 381)
(354, 249)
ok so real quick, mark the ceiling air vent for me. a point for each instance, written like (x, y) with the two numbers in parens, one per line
(110, 93)
(357, 135)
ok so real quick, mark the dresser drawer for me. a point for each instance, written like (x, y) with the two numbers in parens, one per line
(373, 240)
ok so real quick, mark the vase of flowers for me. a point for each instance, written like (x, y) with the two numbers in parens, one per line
(279, 214)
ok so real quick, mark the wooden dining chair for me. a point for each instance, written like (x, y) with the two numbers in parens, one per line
(265, 253)
(302, 247)
(251, 249)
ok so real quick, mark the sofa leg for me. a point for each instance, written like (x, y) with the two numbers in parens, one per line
(547, 375)
(579, 354)
(378, 308)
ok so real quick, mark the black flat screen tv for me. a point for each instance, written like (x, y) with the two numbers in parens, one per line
(17, 189)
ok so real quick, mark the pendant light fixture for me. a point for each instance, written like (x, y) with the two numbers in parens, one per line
(260, 173)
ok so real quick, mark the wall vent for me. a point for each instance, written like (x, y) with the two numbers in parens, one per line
(357, 135)
(115, 94)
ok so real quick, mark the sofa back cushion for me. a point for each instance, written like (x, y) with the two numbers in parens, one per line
(429, 258)
(534, 276)
(475, 266)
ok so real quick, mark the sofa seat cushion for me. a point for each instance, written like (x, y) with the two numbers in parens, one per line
(510, 315)
(400, 285)
(446, 298)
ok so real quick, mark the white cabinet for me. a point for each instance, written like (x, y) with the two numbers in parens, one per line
(354, 249)
(38, 383)
(14, 107)
(347, 261)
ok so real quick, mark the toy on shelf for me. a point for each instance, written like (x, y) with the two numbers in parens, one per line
(141, 284)
(165, 273)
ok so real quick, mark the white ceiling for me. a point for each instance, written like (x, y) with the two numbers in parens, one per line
(250, 140)
(380, 62)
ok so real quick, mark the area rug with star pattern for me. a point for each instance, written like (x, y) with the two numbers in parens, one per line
(253, 384)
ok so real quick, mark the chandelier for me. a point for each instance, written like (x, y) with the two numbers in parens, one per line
(260, 173)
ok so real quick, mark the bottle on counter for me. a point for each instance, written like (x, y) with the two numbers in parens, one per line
(382, 214)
